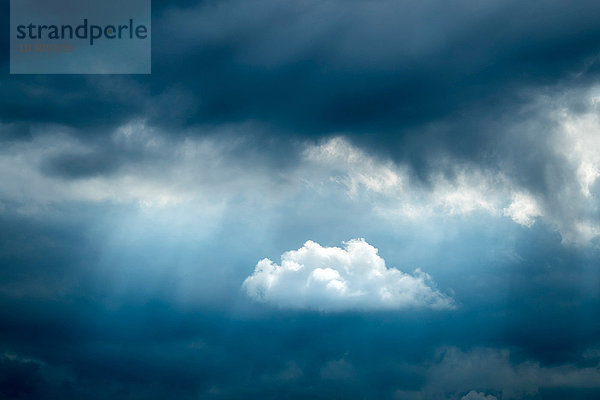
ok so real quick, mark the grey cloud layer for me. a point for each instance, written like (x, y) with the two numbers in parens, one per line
(138, 163)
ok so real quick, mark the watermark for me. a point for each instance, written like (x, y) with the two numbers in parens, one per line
(80, 37)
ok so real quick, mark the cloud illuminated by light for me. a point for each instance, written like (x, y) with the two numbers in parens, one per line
(335, 279)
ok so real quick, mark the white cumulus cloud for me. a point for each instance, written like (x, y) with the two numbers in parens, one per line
(354, 277)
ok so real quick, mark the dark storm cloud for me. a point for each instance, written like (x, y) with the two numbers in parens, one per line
(373, 66)
(82, 165)
(417, 81)
(316, 67)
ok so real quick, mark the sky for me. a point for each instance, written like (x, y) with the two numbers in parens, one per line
(311, 199)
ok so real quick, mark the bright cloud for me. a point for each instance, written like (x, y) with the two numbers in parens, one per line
(523, 210)
(353, 168)
(335, 279)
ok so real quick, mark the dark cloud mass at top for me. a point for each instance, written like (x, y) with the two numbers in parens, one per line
(414, 80)
(410, 190)
(316, 67)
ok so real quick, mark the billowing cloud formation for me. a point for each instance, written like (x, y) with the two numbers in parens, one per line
(140, 164)
(335, 279)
